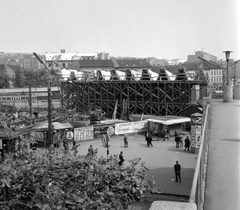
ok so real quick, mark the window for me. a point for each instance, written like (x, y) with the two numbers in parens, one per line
(57, 65)
(64, 65)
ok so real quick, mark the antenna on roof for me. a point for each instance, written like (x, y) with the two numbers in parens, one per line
(195, 50)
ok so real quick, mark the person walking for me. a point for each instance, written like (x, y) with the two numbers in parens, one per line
(125, 141)
(164, 134)
(177, 169)
(149, 141)
(180, 140)
(121, 159)
(187, 144)
(177, 139)
(146, 138)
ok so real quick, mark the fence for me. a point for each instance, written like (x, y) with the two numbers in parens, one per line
(199, 180)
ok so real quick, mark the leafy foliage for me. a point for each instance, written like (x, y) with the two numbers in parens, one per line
(53, 180)
(19, 78)
(4, 80)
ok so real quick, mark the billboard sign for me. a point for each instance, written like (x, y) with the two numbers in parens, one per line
(83, 133)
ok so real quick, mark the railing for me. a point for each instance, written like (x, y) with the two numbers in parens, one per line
(198, 185)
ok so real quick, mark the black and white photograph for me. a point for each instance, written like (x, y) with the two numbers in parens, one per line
(119, 104)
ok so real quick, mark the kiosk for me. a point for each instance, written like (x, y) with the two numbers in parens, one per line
(159, 125)
(196, 132)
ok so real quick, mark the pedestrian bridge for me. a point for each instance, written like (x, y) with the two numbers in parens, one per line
(216, 181)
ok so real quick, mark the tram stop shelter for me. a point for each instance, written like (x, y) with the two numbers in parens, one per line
(159, 125)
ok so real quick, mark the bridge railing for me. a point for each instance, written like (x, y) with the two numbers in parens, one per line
(197, 194)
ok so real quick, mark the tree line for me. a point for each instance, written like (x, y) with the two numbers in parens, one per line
(23, 78)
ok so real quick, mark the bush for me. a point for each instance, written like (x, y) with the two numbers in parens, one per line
(53, 180)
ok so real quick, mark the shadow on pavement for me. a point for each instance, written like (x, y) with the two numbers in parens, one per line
(164, 178)
(181, 149)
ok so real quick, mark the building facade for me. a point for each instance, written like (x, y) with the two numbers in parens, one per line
(204, 55)
(30, 62)
(63, 60)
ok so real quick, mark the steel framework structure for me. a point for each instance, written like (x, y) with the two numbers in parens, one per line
(148, 97)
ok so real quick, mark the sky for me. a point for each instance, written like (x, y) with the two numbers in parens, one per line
(165, 29)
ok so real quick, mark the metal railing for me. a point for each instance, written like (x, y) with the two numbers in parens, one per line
(199, 179)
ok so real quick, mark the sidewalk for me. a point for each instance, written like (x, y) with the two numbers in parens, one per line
(160, 159)
(223, 171)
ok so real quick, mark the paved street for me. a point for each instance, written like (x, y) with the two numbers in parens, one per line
(223, 183)
(160, 159)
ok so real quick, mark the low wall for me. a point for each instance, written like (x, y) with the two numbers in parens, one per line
(172, 205)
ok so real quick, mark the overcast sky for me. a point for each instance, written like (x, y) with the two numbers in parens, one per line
(165, 29)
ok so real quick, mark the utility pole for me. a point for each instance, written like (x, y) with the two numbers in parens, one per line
(50, 137)
(49, 101)
(30, 102)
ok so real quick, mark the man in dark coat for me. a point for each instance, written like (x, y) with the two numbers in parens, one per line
(90, 150)
(121, 159)
(177, 139)
(187, 144)
(149, 140)
(177, 169)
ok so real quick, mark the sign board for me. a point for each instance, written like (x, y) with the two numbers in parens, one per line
(198, 141)
(83, 133)
(69, 135)
(1, 144)
(103, 130)
(198, 130)
(131, 127)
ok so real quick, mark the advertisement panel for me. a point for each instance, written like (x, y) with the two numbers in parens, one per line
(99, 130)
(131, 127)
(83, 133)
(1, 144)
(198, 141)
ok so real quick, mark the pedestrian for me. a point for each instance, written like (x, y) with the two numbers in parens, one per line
(65, 144)
(90, 150)
(175, 134)
(125, 140)
(168, 133)
(177, 139)
(177, 169)
(180, 140)
(149, 140)
(121, 159)
(164, 133)
(187, 144)
(146, 138)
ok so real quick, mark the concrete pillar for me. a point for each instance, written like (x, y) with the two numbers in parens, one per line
(206, 91)
(227, 93)
(195, 93)
(170, 205)
(236, 94)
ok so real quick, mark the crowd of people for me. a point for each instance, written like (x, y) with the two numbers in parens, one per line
(179, 141)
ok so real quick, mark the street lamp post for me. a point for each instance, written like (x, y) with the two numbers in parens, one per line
(227, 53)
(228, 89)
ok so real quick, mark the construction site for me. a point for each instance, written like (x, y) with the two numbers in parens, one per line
(120, 95)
